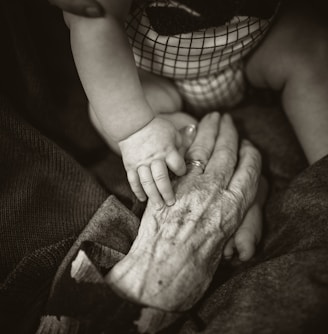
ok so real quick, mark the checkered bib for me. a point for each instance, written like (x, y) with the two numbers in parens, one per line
(206, 65)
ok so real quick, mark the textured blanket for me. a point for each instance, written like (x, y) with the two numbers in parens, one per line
(63, 193)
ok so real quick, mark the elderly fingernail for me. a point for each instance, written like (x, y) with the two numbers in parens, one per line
(215, 115)
(190, 129)
(170, 203)
(228, 254)
(243, 256)
(159, 206)
(94, 11)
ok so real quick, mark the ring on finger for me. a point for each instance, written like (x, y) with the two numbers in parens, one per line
(196, 163)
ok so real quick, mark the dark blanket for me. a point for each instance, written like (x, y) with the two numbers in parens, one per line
(56, 172)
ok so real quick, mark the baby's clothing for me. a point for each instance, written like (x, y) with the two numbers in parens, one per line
(206, 64)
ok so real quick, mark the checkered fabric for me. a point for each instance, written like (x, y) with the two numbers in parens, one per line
(206, 65)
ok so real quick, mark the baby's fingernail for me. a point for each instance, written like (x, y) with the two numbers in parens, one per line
(170, 203)
(94, 11)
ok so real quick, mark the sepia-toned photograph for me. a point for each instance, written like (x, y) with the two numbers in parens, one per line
(163, 167)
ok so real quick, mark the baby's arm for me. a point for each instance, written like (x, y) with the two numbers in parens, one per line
(109, 76)
(107, 70)
(293, 59)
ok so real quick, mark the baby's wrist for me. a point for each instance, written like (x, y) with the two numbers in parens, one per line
(136, 129)
(121, 125)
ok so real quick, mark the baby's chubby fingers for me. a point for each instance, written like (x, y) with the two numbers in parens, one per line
(162, 181)
(135, 185)
(175, 158)
(149, 186)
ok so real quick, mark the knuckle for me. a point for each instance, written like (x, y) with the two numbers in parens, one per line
(253, 174)
(146, 182)
(134, 184)
(250, 150)
(227, 156)
(198, 151)
(237, 199)
(159, 177)
(226, 149)
(253, 163)
(215, 185)
(235, 195)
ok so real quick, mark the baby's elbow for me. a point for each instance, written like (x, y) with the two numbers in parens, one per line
(67, 18)
(309, 63)
(73, 19)
(307, 54)
(295, 47)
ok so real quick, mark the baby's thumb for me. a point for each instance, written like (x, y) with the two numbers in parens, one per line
(187, 136)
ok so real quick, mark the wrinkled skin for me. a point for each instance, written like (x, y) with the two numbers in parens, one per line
(177, 250)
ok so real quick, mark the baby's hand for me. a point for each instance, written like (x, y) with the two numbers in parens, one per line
(147, 154)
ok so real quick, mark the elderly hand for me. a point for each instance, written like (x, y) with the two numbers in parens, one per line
(177, 250)
(89, 8)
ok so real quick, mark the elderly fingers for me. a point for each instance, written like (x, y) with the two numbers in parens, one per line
(89, 8)
(249, 233)
(247, 236)
(244, 183)
(224, 157)
(202, 147)
(229, 248)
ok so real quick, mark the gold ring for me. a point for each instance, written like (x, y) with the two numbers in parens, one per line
(196, 163)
